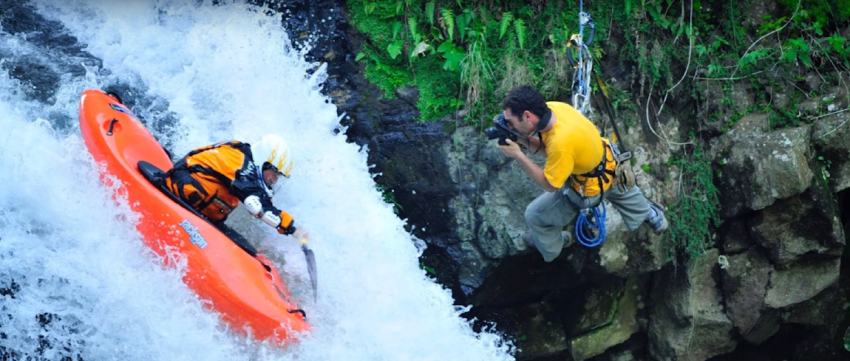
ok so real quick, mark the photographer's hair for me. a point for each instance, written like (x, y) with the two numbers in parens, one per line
(525, 97)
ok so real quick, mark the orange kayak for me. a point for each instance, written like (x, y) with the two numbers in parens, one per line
(245, 290)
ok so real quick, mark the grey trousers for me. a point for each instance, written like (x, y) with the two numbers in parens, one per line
(550, 212)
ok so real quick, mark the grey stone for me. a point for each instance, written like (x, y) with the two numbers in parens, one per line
(687, 320)
(803, 226)
(766, 326)
(744, 288)
(735, 237)
(473, 267)
(629, 253)
(410, 94)
(623, 326)
(801, 282)
(814, 311)
(543, 331)
(757, 10)
(714, 111)
(831, 137)
(758, 168)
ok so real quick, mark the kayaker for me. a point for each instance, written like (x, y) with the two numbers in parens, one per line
(214, 179)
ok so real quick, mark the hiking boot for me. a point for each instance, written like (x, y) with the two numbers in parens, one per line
(528, 238)
(656, 218)
(567, 237)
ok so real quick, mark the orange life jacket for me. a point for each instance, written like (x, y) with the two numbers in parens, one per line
(215, 178)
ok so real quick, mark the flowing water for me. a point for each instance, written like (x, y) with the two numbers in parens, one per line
(75, 279)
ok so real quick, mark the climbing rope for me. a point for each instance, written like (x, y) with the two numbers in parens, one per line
(591, 218)
(595, 224)
(583, 64)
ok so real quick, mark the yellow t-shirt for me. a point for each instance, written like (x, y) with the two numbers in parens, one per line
(574, 147)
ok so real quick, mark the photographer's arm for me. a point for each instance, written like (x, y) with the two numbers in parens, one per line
(512, 150)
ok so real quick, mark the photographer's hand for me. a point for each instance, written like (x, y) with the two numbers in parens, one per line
(511, 150)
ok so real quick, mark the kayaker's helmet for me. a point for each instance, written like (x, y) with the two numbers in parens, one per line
(272, 152)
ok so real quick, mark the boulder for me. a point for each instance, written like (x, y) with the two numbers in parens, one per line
(627, 253)
(757, 167)
(687, 319)
(744, 287)
(801, 282)
(541, 332)
(622, 325)
(831, 137)
(803, 226)
(735, 236)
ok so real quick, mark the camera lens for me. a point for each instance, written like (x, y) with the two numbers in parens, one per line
(492, 133)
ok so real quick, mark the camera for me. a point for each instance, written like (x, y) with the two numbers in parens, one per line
(500, 130)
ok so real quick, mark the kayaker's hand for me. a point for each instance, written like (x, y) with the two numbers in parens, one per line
(301, 235)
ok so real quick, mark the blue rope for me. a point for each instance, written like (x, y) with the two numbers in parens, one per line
(598, 224)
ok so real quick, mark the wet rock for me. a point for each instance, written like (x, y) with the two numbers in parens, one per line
(628, 253)
(622, 325)
(814, 311)
(831, 137)
(409, 94)
(757, 10)
(687, 319)
(744, 288)
(735, 236)
(766, 326)
(473, 269)
(542, 332)
(800, 282)
(759, 167)
(49, 53)
(803, 226)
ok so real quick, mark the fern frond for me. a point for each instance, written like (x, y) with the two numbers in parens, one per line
(519, 27)
(449, 19)
(429, 12)
(507, 17)
(412, 24)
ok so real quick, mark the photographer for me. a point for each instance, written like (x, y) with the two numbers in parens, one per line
(578, 173)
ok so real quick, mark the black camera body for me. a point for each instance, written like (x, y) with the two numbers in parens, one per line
(500, 130)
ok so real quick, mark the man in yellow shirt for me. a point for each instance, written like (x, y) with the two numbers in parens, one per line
(571, 177)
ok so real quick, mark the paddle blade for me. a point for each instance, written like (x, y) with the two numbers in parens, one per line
(311, 268)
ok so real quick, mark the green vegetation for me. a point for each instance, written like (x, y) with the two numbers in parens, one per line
(465, 54)
(697, 208)
(470, 53)
(389, 197)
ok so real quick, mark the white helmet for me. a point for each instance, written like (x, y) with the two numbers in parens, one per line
(272, 149)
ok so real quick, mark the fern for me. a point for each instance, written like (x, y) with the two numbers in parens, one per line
(412, 23)
(449, 18)
(429, 12)
(507, 17)
(519, 26)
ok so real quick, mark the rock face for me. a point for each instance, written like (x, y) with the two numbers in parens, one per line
(688, 318)
(745, 282)
(803, 226)
(831, 137)
(758, 166)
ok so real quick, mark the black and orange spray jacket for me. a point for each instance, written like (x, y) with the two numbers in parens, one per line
(215, 178)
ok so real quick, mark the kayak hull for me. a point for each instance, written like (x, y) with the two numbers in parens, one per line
(246, 291)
